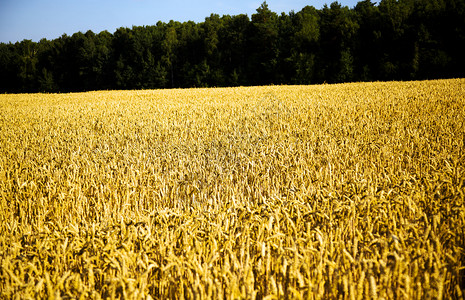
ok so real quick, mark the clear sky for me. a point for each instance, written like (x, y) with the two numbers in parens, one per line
(36, 19)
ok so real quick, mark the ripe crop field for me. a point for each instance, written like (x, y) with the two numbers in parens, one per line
(348, 191)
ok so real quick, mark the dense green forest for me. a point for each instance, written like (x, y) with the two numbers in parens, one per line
(390, 40)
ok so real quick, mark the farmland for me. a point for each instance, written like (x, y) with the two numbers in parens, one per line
(347, 191)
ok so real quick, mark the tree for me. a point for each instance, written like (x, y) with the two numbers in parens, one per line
(191, 56)
(395, 40)
(212, 66)
(169, 47)
(398, 40)
(264, 46)
(337, 29)
(27, 71)
(305, 43)
(9, 58)
(367, 42)
(234, 46)
(102, 60)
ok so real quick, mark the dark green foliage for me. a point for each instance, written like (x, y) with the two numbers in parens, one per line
(395, 40)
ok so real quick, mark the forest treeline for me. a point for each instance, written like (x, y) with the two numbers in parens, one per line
(391, 40)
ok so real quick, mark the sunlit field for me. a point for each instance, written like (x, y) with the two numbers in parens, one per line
(348, 191)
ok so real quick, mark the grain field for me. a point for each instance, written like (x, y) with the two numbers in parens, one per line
(351, 191)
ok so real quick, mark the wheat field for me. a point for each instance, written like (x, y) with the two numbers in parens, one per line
(350, 191)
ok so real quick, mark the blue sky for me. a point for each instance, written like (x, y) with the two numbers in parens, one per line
(36, 19)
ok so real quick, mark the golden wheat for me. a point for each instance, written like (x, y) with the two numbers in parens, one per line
(346, 191)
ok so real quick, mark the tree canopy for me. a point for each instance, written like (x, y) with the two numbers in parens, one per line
(392, 40)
